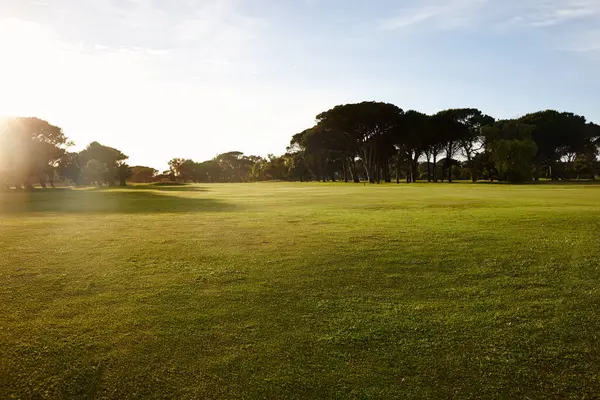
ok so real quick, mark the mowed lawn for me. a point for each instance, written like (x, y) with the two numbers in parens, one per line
(282, 290)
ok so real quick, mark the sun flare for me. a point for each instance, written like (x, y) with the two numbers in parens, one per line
(34, 72)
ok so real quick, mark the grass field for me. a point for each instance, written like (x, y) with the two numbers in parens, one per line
(301, 291)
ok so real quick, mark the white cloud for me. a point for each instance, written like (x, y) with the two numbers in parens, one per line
(197, 29)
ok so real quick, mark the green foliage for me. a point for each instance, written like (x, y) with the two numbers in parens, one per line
(95, 172)
(96, 165)
(557, 135)
(584, 165)
(29, 150)
(69, 167)
(141, 174)
(512, 150)
(351, 130)
(368, 141)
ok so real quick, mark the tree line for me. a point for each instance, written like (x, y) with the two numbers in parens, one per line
(363, 142)
(35, 152)
(375, 142)
(380, 142)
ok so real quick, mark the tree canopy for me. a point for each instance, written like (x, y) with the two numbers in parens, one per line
(367, 141)
(29, 150)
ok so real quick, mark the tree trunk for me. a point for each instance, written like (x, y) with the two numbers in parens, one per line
(42, 179)
(374, 164)
(388, 171)
(415, 168)
(369, 163)
(345, 170)
(449, 154)
(366, 161)
(428, 167)
(471, 168)
(398, 169)
(353, 170)
(435, 167)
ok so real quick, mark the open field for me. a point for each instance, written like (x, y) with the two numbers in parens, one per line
(301, 291)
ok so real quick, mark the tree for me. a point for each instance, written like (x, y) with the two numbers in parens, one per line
(275, 168)
(141, 174)
(111, 158)
(484, 166)
(584, 164)
(124, 172)
(365, 128)
(188, 171)
(558, 136)
(512, 149)
(69, 166)
(234, 166)
(297, 168)
(434, 144)
(450, 131)
(594, 135)
(410, 136)
(210, 171)
(313, 145)
(30, 149)
(473, 120)
(95, 172)
(175, 166)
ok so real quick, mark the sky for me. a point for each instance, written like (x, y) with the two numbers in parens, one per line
(193, 78)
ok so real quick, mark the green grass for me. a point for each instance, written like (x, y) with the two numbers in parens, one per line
(301, 291)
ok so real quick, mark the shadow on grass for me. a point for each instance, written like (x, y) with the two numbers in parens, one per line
(159, 188)
(542, 183)
(568, 182)
(107, 201)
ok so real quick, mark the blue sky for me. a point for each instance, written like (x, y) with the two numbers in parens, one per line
(192, 78)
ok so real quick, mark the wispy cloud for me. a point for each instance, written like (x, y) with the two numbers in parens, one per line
(572, 24)
(553, 13)
(208, 32)
(436, 14)
(462, 13)
(585, 42)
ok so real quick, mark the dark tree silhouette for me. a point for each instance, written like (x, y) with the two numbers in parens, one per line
(371, 141)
